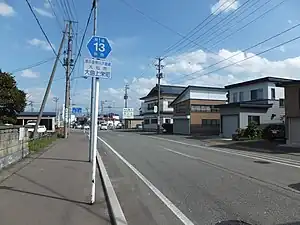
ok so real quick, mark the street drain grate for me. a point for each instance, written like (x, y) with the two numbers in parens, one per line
(262, 162)
(295, 186)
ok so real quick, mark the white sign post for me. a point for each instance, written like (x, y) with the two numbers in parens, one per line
(98, 68)
(128, 113)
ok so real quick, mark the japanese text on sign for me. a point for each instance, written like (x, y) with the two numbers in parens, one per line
(97, 68)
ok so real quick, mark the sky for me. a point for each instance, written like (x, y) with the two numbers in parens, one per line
(217, 52)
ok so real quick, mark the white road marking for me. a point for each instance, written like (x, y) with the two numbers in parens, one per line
(164, 199)
(257, 157)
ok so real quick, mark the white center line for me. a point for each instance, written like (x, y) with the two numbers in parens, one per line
(278, 161)
(183, 218)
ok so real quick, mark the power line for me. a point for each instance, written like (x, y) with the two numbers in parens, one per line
(74, 7)
(61, 10)
(167, 27)
(241, 9)
(198, 28)
(45, 35)
(247, 24)
(247, 58)
(55, 15)
(33, 65)
(69, 9)
(65, 12)
(83, 37)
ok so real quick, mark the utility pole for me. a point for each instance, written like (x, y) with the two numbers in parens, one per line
(49, 83)
(159, 75)
(30, 103)
(94, 124)
(55, 99)
(67, 64)
(126, 102)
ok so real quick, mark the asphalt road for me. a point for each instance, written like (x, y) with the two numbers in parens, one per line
(187, 183)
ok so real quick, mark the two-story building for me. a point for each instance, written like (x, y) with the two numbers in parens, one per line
(258, 100)
(292, 111)
(167, 95)
(195, 110)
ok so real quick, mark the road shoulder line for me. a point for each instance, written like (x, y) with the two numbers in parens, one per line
(113, 202)
(163, 198)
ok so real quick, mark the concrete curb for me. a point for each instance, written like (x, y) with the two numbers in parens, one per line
(114, 206)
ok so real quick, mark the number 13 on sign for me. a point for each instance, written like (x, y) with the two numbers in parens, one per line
(99, 47)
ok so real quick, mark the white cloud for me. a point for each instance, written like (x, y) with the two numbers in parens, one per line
(6, 10)
(224, 6)
(47, 4)
(40, 43)
(28, 73)
(43, 12)
(252, 68)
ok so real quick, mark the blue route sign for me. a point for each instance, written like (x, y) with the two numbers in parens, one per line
(76, 110)
(99, 47)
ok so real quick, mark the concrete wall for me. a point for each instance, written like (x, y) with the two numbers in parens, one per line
(13, 145)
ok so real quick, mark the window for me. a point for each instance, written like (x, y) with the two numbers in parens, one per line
(256, 94)
(180, 108)
(255, 119)
(146, 121)
(151, 105)
(234, 99)
(213, 122)
(272, 93)
(168, 121)
(153, 121)
(241, 96)
(281, 102)
(204, 108)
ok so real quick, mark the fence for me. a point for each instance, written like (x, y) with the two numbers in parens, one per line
(15, 144)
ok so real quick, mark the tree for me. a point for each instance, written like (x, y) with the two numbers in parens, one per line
(12, 99)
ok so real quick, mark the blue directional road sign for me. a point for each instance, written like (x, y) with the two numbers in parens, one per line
(99, 47)
(76, 110)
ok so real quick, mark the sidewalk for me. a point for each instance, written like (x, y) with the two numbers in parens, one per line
(54, 189)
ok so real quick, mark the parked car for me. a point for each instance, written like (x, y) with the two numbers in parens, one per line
(274, 131)
(79, 126)
(86, 127)
(168, 128)
(41, 128)
(103, 126)
(139, 126)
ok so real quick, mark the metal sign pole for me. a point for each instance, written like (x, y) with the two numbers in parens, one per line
(94, 124)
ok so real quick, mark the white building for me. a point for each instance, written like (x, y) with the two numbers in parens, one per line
(257, 100)
(167, 94)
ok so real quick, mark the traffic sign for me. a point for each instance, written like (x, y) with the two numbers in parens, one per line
(76, 110)
(97, 68)
(99, 47)
(128, 113)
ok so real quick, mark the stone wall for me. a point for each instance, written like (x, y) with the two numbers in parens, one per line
(13, 145)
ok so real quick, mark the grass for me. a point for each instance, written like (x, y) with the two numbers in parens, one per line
(41, 143)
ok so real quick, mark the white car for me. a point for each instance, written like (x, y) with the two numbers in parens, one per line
(41, 128)
(86, 127)
(103, 126)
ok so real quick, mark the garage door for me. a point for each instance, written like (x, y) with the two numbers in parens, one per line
(294, 130)
(181, 126)
(229, 125)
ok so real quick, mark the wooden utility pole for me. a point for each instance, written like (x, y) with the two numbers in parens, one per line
(49, 83)
(159, 75)
(68, 84)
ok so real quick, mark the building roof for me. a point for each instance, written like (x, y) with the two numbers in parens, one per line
(196, 88)
(35, 114)
(288, 83)
(247, 104)
(260, 80)
(164, 90)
